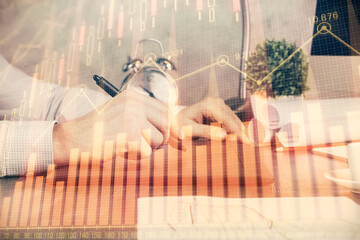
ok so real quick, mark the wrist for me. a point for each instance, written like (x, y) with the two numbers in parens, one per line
(60, 145)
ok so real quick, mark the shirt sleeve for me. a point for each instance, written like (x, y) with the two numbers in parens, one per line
(20, 140)
(30, 108)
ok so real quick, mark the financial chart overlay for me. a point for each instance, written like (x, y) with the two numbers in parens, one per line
(209, 188)
(90, 199)
(93, 195)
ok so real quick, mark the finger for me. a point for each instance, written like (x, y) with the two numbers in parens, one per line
(161, 120)
(176, 131)
(139, 148)
(138, 151)
(157, 113)
(220, 112)
(121, 147)
(208, 131)
(145, 149)
(176, 137)
(133, 133)
(161, 116)
(151, 114)
(133, 130)
(175, 143)
(152, 136)
(243, 136)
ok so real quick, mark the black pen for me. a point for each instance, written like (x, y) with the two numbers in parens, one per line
(111, 89)
(106, 85)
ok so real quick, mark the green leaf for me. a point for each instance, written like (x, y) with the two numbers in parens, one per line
(289, 79)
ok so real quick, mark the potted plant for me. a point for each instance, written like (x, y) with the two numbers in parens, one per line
(276, 72)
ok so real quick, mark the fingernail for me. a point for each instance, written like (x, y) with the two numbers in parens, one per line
(181, 134)
(232, 137)
(183, 148)
(221, 134)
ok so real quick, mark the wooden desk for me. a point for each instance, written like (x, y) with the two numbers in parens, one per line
(101, 200)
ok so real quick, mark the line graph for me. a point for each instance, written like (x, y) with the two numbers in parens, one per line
(221, 61)
(323, 30)
(90, 197)
(343, 42)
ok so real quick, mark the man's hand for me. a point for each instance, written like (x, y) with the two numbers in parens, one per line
(131, 113)
(214, 110)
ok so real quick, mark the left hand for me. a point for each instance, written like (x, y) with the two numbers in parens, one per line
(215, 110)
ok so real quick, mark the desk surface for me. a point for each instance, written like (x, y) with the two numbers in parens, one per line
(93, 196)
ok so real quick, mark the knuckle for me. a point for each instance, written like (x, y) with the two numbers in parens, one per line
(206, 102)
(214, 100)
(133, 106)
(227, 107)
(165, 126)
(220, 101)
(130, 113)
(129, 93)
(209, 99)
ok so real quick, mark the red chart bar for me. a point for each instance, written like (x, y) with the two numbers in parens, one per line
(48, 196)
(118, 182)
(172, 178)
(5, 211)
(95, 170)
(111, 15)
(186, 164)
(153, 7)
(61, 68)
(199, 5)
(144, 178)
(34, 219)
(233, 168)
(172, 171)
(82, 35)
(201, 170)
(82, 187)
(236, 5)
(58, 203)
(106, 182)
(70, 187)
(158, 211)
(217, 166)
(250, 170)
(130, 200)
(145, 165)
(120, 25)
(159, 173)
(28, 191)
(16, 204)
(32, 93)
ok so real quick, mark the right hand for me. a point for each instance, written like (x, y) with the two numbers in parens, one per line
(130, 113)
(215, 110)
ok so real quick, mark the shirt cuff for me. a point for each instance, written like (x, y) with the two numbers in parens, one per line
(20, 141)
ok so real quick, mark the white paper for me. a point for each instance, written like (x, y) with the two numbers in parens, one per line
(177, 216)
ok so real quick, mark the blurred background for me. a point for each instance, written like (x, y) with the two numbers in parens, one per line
(67, 42)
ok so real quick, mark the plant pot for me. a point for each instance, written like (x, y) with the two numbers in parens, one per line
(275, 112)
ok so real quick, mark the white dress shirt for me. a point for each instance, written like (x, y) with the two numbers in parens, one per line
(30, 108)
